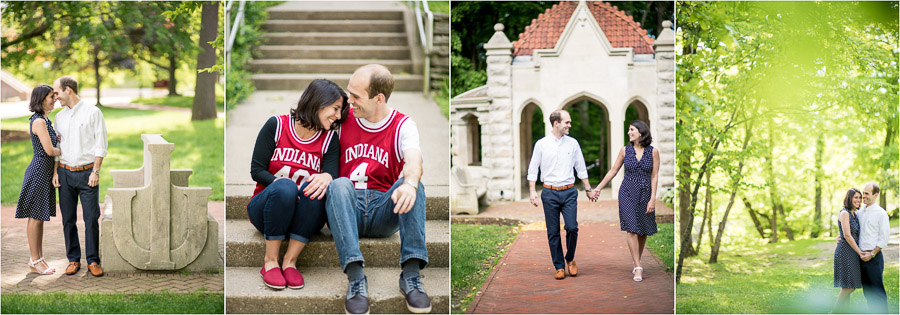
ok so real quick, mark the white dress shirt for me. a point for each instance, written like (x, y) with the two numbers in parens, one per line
(874, 227)
(83, 134)
(556, 158)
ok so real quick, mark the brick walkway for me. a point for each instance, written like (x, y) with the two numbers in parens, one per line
(17, 279)
(524, 281)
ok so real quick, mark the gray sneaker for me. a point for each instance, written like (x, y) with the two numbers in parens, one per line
(357, 297)
(417, 301)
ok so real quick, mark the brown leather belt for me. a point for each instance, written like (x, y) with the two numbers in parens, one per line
(559, 187)
(77, 168)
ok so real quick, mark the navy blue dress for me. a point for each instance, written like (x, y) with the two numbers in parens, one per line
(847, 273)
(37, 199)
(635, 193)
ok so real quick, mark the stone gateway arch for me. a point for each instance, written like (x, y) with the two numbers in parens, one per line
(587, 57)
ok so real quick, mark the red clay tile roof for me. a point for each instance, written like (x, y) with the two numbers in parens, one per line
(620, 28)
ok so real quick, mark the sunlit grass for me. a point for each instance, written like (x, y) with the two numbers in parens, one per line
(788, 277)
(476, 251)
(199, 146)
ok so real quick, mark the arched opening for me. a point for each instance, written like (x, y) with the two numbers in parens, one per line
(635, 111)
(590, 126)
(473, 135)
(531, 129)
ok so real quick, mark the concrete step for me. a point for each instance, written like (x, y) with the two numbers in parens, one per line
(437, 205)
(325, 292)
(324, 65)
(332, 38)
(334, 52)
(291, 81)
(245, 247)
(334, 26)
(276, 14)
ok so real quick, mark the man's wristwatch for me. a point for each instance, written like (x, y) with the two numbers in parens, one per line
(412, 183)
(97, 171)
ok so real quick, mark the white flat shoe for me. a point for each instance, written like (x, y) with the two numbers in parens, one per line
(637, 278)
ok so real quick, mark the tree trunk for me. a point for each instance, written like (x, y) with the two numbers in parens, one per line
(787, 227)
(707, 216)
(773, 191)
(890, 134)
(714, 253)
(97, 72)
(685, 215)
(204, 106)
(817, 219)
(172, 80)
(755, 218)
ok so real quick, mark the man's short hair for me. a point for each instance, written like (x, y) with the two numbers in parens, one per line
(556, 116)
(875, 189)
(70, 82)
(380, 81)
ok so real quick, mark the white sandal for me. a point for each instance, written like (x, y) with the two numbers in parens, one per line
(48, 271)
(638, 278)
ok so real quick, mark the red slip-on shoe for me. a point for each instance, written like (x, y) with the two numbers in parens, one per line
(272, 278)
(293, 278)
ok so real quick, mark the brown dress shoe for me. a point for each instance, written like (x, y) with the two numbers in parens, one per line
(560, 274)
(73, 267)
(573, 269)
(95, 269)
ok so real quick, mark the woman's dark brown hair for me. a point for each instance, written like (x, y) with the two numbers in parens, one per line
(642, 127)
(319, 94)
(848, 200)
(38, 94)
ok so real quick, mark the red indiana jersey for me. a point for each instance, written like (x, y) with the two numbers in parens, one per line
(295, 158)
(371, 157)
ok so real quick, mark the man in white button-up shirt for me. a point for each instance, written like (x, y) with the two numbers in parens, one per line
(83, 143)
(556, 156)
(874, 231)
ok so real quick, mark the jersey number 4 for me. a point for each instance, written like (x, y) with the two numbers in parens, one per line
(358, 176)
(284, 171)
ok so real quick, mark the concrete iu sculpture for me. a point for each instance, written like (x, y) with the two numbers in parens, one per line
(154, 221)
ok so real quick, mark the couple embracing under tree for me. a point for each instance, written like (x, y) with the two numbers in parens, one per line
(558, 157)
(67, 158)
(858, 259)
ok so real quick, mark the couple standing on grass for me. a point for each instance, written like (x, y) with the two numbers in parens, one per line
(858, 258)
(557, 155)
(350, 161)
(68, 159)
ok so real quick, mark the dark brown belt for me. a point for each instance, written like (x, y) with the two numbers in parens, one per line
(77, 168)
(559, 187)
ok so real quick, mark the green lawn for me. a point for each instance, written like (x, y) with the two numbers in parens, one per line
(788, 277)
(178, 101)
(97, 303)
(476, 251)
(662, 244)
(198, 146)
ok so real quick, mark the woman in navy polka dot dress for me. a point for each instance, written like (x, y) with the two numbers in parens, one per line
(37, 199)
(847, 255)
(637, 201)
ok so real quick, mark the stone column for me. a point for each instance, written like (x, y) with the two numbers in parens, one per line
(664, 46)
(498, 132)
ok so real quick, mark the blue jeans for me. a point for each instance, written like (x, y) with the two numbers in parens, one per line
(276, 211)
(73, 186)
(873, 284)
(563, 202)
(359, 213)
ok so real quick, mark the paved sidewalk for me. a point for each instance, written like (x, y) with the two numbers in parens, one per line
(600, 211)
(524, 282)
(17, 279)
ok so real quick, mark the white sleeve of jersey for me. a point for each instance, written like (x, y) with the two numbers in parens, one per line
(409, 137)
